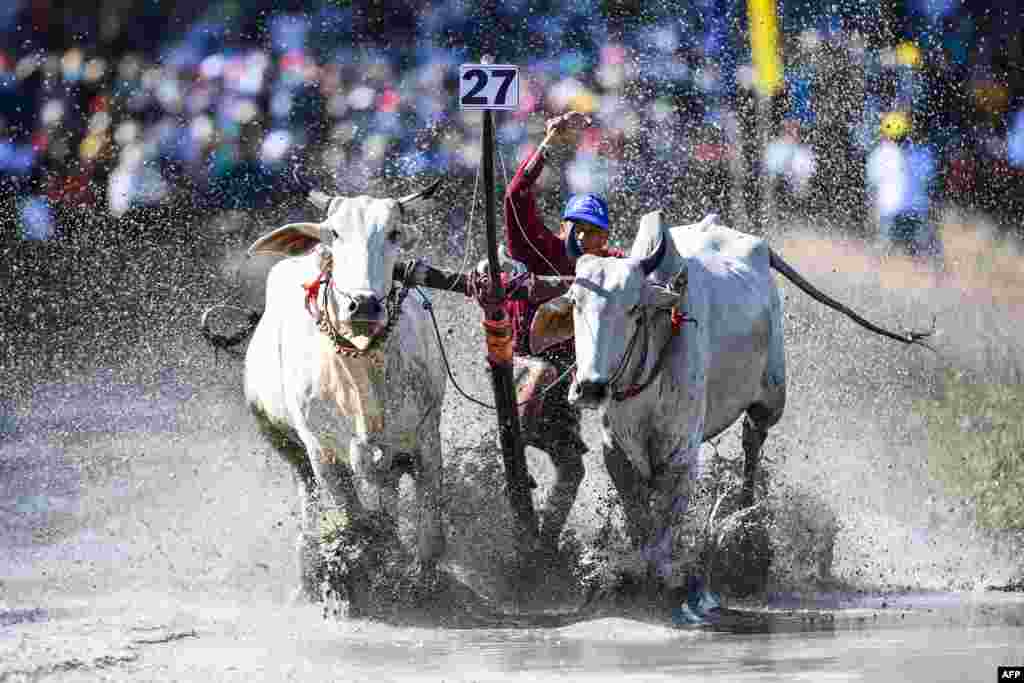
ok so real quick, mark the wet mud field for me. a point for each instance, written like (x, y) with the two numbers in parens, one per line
(147, 531)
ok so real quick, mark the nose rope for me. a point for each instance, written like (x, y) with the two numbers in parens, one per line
(621, 370)
(342, 345)
(677, 319)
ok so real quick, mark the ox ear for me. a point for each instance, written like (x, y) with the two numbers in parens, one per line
(552, 324)
(649, 232)
(293, 239)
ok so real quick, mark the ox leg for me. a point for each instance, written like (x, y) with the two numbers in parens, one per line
(338, 480)
(327, 468)
(431, 538)
(310, 563)
(671, 491)
(756, 424)
(301, 450)
(633, 493)
(321, 473)
(374, 480)
(365, 459)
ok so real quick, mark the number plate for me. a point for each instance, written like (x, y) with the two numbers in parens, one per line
(489, 86)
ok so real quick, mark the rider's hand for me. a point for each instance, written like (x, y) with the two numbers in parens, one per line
(571, 120)
(480, 289)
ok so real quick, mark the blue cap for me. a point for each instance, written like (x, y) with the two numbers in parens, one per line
(587, 207)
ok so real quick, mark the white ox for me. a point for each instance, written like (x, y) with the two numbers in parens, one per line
(371, 358)
(662, 392)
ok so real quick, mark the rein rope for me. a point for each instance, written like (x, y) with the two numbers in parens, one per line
(444, 356)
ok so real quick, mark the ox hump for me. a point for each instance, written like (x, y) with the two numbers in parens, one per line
(713, 238)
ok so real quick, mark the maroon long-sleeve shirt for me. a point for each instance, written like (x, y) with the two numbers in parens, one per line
(530, 242)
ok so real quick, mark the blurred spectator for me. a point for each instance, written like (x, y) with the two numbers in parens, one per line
(1015, 141)
(17, 154)
(134, 183)
(212, 104)
(790, 165)
(589, 171)
(37, 219)
(899, 175)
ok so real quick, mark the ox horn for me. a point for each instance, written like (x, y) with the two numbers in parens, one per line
(650, 263)
(317, 198)
(425, 193)
(320, 200)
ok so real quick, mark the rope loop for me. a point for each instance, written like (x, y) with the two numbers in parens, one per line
(499, 340)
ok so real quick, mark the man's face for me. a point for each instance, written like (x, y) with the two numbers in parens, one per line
(592, 239)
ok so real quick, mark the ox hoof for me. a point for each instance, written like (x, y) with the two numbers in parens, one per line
(696, 605)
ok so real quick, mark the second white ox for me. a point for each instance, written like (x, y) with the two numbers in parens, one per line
(352, 345)
(673, 366)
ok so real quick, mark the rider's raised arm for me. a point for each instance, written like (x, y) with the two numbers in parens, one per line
(529, 240)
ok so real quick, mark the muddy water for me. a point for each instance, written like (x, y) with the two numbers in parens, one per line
(140, 635)
(146, 533)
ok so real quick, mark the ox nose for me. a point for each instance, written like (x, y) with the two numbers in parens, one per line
(589, 393)
(364, 307)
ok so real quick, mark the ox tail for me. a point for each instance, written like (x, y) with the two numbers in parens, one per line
(228, 341)
(810, 290)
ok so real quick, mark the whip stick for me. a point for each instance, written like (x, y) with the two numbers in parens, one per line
(499, 342)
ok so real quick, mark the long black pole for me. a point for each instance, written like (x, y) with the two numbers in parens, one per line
(516, 474)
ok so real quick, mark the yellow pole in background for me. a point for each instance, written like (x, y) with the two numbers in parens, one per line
(767, 62)
(764, 46)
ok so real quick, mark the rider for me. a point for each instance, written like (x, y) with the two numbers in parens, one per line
(549, 422)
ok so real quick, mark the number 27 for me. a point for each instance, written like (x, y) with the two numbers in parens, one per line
(507, 75)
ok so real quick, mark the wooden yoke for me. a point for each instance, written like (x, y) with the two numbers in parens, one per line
(535, 288)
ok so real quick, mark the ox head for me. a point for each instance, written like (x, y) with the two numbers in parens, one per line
(603, 309)
(362, 237)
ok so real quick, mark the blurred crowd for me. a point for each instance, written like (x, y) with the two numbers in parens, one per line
(215, 115)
